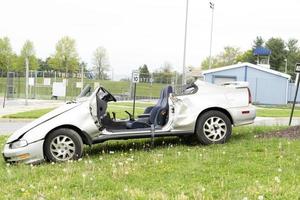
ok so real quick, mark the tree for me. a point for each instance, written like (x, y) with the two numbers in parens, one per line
(27, 51)
(65, 57)
(164, 74)
(43, 65)
(5, 54)
(144, 72)
(277, 46)
(247, 56)
(101, 62)
(258, 42)
(228, 56)
(293, 55)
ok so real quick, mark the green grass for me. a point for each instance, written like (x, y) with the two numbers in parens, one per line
(32, 114)
(244, 167)
(274, 112)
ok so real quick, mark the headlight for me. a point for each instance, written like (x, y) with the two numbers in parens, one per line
(18, 144)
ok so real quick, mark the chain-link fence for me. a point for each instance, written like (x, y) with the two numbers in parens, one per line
(41, 85)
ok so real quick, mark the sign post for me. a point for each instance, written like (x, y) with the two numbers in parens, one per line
(135, 79)
(297, 70)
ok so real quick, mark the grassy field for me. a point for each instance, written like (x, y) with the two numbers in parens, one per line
(29, 114)
(244, 168)
(277, 112)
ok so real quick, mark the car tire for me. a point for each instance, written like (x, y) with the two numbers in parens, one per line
(63, 145)
(213, 127)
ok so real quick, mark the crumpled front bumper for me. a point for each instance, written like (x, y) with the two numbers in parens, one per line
(32, 153)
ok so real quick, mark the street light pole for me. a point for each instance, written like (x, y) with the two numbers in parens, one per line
(27, 80)
(212, 6)
(184, 45)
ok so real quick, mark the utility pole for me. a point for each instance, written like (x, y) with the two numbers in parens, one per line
(27, 80)
(82, 69)
(212, 6)
(184, 44)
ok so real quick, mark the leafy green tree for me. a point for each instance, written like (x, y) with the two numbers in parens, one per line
(144, 72)
(5, 54)
(101, 63)
(65, 57)
(258, 42)
(27, 51)
(228, 56)
(279, 53)
(293, 56)
(43, 65)
(247, 56)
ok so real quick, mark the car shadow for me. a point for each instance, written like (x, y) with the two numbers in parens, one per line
(125, 146)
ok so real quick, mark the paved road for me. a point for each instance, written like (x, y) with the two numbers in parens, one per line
(18, 105)
(275, 121)
(8, 126)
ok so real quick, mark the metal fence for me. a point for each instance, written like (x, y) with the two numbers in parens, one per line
(41, 83)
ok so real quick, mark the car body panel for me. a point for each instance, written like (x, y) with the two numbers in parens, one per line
(34, 151)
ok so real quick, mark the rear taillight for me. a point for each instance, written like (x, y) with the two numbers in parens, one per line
(249, 96)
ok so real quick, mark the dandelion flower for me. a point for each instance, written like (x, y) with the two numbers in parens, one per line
(260, 197)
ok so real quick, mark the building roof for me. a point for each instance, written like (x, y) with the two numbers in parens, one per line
(271, 71)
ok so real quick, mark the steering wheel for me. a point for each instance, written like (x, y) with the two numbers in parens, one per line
(108, 95)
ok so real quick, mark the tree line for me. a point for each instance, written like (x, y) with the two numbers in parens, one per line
(283, 52)
(65, 58)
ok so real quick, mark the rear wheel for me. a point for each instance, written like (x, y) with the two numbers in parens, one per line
(213, 127)
(63, 145)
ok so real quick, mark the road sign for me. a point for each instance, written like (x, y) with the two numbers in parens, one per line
(135, 77)
(297, 69)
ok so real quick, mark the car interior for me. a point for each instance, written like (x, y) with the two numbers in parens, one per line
(155, 116)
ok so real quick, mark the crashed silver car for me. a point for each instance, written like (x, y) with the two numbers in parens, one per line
(203, 112)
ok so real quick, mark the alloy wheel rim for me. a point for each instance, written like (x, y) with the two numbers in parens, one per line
(62, 148)
(214, 129)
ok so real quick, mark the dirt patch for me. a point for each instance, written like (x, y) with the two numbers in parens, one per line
(289, 133)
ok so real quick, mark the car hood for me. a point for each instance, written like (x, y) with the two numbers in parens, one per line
(62, 109)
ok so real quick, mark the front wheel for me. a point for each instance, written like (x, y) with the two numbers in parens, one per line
(213, 127)
(63, 145)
